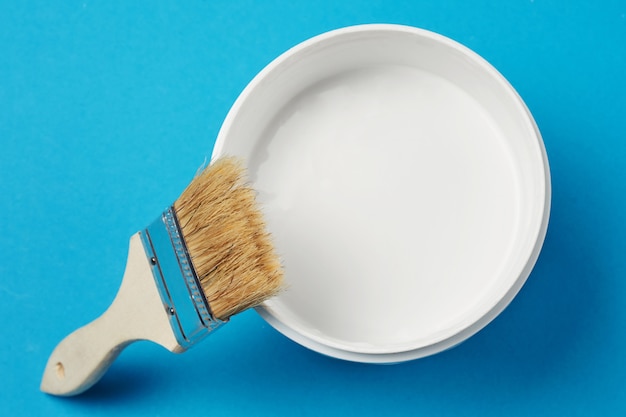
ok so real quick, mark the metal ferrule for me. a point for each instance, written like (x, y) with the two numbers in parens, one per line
(190, 314)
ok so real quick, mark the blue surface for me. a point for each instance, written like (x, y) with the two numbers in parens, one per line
(106, 111)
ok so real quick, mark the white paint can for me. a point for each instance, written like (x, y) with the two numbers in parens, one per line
(405, 183)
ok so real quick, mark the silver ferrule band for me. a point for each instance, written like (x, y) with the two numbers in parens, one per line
(190, 314)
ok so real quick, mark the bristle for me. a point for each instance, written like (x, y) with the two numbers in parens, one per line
(226, 237)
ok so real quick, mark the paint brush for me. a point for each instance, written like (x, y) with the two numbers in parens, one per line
(205, 259)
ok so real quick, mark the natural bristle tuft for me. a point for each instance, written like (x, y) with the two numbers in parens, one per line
(226, 237)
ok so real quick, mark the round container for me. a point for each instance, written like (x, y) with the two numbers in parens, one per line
(406, 186)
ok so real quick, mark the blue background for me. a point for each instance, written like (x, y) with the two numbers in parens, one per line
(106, 111)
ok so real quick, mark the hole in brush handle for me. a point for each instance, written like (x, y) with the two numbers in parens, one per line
(60, 370)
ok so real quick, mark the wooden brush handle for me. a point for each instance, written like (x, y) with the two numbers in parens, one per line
(83, 357)
(137, 313)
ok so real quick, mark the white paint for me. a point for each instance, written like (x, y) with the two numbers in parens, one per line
(405, 184)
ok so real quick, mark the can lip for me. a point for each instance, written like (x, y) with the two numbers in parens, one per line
(297, 72)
